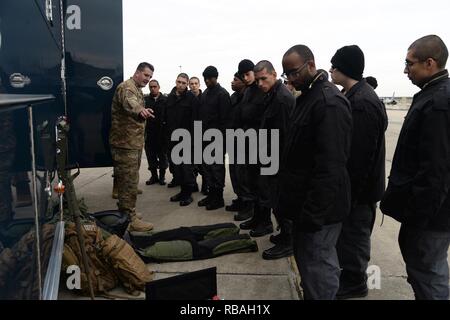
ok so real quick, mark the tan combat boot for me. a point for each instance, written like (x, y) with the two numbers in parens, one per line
(139, 225)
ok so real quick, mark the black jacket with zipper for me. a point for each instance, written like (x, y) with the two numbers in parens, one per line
(314, 185)
(366, 165)
(418, 192)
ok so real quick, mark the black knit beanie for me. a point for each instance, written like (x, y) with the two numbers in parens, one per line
(210, 72)
(350, 61)
(372, 81)
(245, 66)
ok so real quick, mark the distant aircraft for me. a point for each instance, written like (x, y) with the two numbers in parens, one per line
(391, 101)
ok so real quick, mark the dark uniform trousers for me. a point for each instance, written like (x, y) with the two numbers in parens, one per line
(260, 186)
(425, 256)
(317, 261)
(126, 176)
(353, 246)
(236, 170)
(156, 154)
(183, 173)
(234, 177)
(246, 192)
(255, 187)
(214, 175)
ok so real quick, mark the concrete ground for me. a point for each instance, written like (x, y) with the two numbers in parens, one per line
(247, 275)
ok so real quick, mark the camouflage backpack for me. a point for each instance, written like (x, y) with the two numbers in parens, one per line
(128, 266)
(103, 279)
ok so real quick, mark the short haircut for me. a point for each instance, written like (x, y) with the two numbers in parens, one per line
(372, 81)
(154, 81)
(143, 65)
(195, 78)
(264, 64)
(430, 46)
(183, 75)
(302, 50)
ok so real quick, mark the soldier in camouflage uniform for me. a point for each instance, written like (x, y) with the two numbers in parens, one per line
(7, 146)
(127, 140)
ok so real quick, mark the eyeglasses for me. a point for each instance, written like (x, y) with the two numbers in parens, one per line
(285, 75)
(409, 64)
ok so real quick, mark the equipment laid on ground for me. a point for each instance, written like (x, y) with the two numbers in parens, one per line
(192, 243)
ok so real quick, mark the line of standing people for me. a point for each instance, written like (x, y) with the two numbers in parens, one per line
(332, 168)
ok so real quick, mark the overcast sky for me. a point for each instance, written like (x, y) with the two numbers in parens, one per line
(195, 34)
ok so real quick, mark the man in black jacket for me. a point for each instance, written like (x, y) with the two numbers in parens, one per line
(194, 87)
(248, 116)
(214, 109)
(314, 182)
(365, 167)
(180, 114)
(418, 190)
(238, 86)
(156, 135)
(278, 105)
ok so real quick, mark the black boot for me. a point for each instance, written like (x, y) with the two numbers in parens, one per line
(186, 198)
(278, 251)
(352, 285)
(204, 189)
(203, 202)
(253, 221)
(162, 177)
(236, 205)
(216, 201)
(285, 235)
(176, 197)
(261, 230)
(154, 178)
(174, 183)
(283, 241)
(264, 225)
(275, 238)
(246, 212)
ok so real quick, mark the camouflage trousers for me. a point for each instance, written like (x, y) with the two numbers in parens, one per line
(6, 161)
(126, 177)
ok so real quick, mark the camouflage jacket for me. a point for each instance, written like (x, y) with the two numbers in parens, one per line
(127, 126)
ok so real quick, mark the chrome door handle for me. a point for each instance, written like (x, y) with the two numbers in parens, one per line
(105, 83)
(18, 80)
